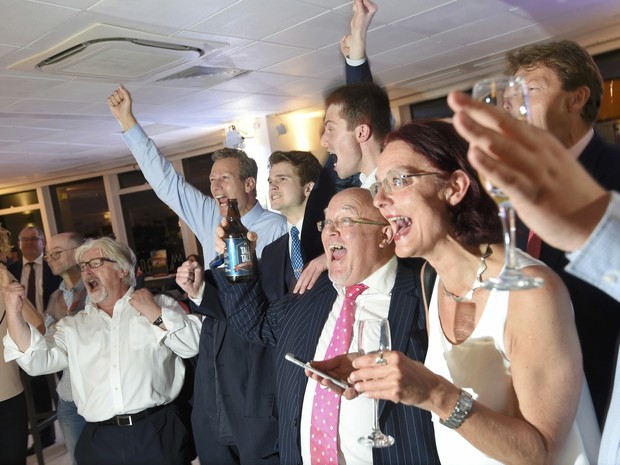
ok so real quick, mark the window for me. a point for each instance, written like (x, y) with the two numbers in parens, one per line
(197, 170)
(19, 210)
(151, 228)
(82, 207)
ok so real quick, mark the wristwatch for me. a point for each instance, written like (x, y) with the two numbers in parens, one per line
(461, 411)
(158, 321)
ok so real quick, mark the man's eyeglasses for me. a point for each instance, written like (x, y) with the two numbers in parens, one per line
(397, 182)
(29, 239)
(94, 263)
(55, 255)
(346, 222)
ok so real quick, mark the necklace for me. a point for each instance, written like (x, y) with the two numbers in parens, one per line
(477, 282)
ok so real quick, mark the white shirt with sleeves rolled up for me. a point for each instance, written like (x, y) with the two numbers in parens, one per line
(119, 365)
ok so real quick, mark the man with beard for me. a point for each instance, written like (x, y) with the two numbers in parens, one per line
(124, 351)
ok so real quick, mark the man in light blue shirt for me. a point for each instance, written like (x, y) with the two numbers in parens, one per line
(233, 176)
(559, 200)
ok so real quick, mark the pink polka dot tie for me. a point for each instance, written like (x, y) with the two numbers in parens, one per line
(326, 404)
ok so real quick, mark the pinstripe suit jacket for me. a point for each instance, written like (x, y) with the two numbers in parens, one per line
(294, 324)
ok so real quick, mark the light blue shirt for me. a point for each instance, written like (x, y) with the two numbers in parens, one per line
(199, 211)
(598, 263)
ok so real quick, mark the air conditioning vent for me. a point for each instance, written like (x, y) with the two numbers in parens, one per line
(113, 53)
(206, 73)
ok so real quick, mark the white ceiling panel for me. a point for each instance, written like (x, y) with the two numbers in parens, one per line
(254, 19)
(418, 49)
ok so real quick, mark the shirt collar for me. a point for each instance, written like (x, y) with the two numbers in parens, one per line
(577, 149)
(380, 282)
(38, 260)
(251, 216)
(77, 288)
(369, 180)
(299, 225)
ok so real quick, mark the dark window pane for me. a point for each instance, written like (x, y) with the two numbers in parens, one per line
(15, 222)
(151, 227)
(131, 179)
(82, 207)
(197, 170)
(18, 199)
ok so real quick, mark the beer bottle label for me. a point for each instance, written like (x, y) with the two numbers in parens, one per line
(238, 257)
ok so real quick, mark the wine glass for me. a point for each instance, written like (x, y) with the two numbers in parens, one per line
(374, 337)
(509, 93)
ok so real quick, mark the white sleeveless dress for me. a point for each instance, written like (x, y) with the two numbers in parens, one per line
(482, 357)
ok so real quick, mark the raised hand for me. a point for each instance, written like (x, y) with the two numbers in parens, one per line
(120, 106)
(190, 277)
(547, 186)
(353, 45)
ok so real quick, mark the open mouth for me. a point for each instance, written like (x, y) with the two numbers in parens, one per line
(92, 284)
(276, 197)
(222, 200)
(400, 226)
(337, 252)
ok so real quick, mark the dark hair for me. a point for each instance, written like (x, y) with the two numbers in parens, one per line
(363, 103)
(573, 65)
(475, 218)
(305, 165)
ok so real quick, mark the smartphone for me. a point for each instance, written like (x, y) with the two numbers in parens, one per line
(338, 382)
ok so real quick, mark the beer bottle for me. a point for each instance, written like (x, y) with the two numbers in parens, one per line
(238, 263)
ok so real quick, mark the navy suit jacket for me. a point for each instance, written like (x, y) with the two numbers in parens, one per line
(234, 388)
(294, 324)
(50, 282)
(597, 315)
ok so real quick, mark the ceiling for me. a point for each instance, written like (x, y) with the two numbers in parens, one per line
(54, 125)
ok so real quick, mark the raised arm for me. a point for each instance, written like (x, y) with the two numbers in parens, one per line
(534, 169)
(14, 296)
(353, 45)
(199, 211)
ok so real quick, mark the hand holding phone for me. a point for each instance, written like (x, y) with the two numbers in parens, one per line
(338, 382)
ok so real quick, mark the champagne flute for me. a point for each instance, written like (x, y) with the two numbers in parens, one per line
(509, 93)
(374, 337)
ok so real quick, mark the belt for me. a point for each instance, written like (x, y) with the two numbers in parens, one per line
(128, 420)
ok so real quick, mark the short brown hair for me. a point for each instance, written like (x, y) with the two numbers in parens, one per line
(573, 65)
(305, 165)
(363, 103)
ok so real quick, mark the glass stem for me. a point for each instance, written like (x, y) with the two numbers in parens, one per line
(375, 427)
(507, 215)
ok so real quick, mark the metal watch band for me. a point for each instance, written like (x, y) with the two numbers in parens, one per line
(461, 411)
(158, 321)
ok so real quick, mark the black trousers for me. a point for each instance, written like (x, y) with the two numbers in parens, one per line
(13, 431)
(159, 439)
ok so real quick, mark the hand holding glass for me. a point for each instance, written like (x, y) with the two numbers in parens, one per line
(509, 93)
(374, 338)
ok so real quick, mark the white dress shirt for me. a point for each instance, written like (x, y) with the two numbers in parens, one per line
(119, 365)
(355, 415)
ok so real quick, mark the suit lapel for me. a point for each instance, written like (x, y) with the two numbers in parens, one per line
(402, 315)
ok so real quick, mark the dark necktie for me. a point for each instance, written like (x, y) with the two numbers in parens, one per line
(296, 260)
(31, 292)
